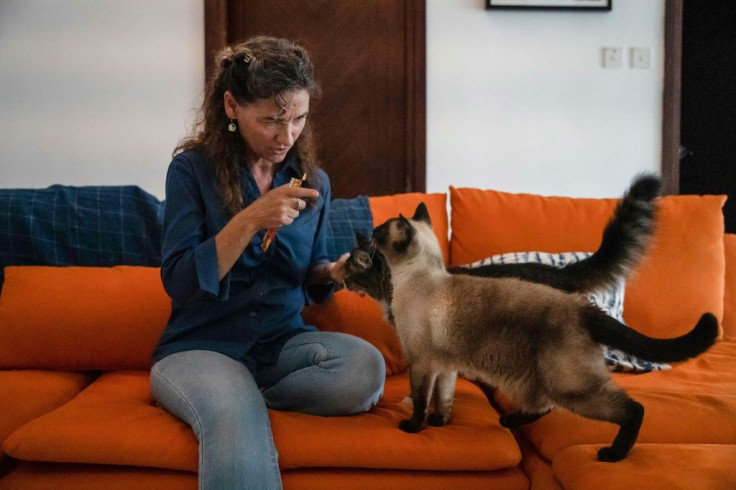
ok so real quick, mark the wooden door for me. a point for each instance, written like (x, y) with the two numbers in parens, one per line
(369, 58)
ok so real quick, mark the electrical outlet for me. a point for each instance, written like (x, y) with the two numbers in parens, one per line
(641, 58)
(613, 57)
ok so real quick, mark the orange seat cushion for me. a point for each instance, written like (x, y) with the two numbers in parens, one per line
(694, 403)
(81, 318)
(114, 421)
(27, 394)
(46, 476)
(729, 306)
(650, 466)
(360, 479)
(680, 278)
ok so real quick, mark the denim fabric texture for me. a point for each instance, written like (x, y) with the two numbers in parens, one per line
(320, 373)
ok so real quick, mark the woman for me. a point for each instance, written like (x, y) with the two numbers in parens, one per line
(235, 343)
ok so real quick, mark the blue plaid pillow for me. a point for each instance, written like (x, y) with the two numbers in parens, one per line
(90, 226)
(348, 217)
(610, 300)
(117, 225)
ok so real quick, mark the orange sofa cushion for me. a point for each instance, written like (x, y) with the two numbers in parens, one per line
(27, 394)
(360, 315)
(81, 318)
(115, 421)
(693, 403)
(46, 476)
(680, 278)
(360, 479)
(650, 466)
(729, 306)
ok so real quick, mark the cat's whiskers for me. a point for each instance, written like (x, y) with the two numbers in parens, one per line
(372, 249)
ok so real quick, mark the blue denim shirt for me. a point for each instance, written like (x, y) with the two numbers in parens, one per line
(256, 307)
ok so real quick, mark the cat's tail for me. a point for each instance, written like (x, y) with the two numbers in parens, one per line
(625, 238)
(609, 331)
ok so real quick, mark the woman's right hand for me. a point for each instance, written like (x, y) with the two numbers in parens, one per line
(278, 207)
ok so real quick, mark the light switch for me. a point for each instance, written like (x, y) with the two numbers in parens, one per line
(613, 57)
(641, 58)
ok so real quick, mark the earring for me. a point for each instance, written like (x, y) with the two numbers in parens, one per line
(232, 127)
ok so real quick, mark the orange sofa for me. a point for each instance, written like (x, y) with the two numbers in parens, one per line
(76, 409)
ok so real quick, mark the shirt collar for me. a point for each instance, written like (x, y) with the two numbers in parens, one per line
(290, 164)
(289, 167)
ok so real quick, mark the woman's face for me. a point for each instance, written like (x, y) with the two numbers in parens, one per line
(268, 130)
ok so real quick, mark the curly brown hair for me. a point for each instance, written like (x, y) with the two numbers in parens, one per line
(258, 68)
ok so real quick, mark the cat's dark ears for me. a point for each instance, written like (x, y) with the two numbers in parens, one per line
(421, 214)
(361, 238)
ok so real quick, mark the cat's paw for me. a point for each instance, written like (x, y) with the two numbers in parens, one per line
(438, 419)
(610, 455)
(410, 425)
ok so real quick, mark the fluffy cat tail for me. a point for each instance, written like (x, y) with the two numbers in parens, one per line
(609, 331)
(625, 237)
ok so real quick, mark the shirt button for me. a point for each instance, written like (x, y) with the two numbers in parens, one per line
(260, 293)
(252, 313)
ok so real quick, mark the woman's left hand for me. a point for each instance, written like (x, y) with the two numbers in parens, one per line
(337, 269)
(329, 272)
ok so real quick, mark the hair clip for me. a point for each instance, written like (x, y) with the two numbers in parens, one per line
(247, 57)
(226, 55)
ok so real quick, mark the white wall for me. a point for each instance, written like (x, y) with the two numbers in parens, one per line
(98, 92)
(519, 101)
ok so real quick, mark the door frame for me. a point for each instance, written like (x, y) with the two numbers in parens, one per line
(216, 37)
(671, 96)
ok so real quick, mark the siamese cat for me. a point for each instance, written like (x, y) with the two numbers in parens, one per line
(538, 344)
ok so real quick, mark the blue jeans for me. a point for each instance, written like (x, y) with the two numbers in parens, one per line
(320, 373)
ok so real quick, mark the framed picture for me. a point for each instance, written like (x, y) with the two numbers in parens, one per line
(603, 5)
